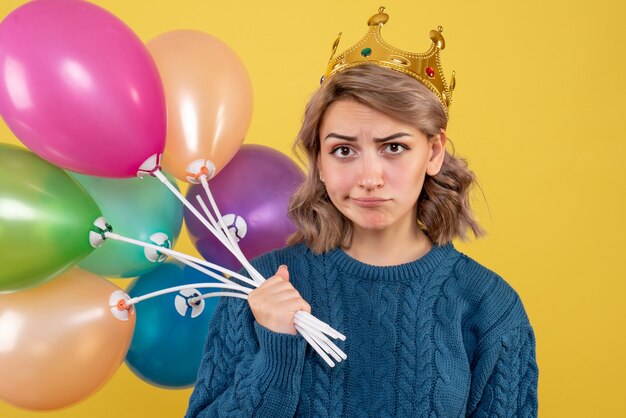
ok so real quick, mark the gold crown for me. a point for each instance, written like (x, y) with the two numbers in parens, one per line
(372, 49)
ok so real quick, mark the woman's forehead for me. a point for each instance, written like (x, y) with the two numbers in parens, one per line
(351, 118)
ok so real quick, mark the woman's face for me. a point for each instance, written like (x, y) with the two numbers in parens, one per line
(374, 166)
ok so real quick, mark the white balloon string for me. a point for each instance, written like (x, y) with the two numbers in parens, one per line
(319, 342)
(135, 300)
(215, 294)
(207, 213)
(158, 174)
(210, 273)
(177, 254)
(234, 249)
(320, 325)
(316, 347)
(258, 277)
(330, 347)
(218, 214)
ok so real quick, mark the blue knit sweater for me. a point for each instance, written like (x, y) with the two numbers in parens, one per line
(438, 337)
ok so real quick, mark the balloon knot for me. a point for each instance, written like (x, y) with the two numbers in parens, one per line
(204, 171)
(102, 232)
(122, 306)
(150, 166)
(199, 168)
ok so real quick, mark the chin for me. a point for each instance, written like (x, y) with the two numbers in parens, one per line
(367, 220)
(371, 224)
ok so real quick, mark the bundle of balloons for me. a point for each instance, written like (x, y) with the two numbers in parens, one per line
(96, 109)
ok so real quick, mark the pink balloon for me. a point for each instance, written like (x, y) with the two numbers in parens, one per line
(79, 88)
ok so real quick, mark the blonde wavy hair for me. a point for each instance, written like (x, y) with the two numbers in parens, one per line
(443, 206)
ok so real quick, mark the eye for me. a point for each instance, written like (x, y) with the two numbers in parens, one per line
(342, 151)
(395, 149)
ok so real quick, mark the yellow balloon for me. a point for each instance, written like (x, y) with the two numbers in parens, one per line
(60, 342)
(208, 94)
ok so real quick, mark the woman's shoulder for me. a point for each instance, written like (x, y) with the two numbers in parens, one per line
(477, 280)
(492, 306)
(292, 256)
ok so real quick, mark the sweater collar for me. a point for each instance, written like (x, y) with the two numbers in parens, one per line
(413, 269)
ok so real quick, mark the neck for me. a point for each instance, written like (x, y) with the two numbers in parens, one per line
(388, 247)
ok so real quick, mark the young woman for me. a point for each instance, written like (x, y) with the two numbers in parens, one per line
(430, 332)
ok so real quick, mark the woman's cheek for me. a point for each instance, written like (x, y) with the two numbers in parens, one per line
(341, 183)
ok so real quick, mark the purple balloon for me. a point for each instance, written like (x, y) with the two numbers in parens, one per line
(79, 88)
(252, 193)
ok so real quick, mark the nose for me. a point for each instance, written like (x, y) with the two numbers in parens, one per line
(371, 175)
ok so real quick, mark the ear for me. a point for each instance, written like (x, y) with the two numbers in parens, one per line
(437, 153)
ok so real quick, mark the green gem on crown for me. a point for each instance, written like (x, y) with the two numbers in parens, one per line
(366, 52)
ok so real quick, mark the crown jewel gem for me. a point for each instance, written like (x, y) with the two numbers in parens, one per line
(372, 49)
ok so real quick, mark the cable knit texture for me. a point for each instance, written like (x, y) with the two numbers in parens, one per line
(441, 336)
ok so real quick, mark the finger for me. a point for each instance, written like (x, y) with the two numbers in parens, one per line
(283, 272)
(267, 294)
(279, 287)
(285, 295)
(295, 304)
(272, 281)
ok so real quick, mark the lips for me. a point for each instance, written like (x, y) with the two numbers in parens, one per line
(369, 201)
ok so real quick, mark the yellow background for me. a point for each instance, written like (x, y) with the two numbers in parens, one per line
(537, 110)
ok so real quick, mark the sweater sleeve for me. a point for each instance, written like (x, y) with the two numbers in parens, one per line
(504, 382)
(246, 369)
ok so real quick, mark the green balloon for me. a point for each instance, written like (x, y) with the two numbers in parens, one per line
(45, 220)
(136, 208)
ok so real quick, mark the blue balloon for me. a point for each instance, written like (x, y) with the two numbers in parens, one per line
(170, 332)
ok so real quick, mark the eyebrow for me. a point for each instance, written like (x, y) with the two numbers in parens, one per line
(354, 138)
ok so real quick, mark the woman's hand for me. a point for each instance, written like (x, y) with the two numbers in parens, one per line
(275, 303)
